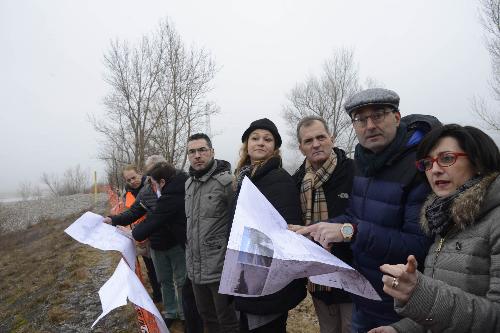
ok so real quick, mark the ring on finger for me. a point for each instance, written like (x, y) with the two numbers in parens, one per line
(395, 283)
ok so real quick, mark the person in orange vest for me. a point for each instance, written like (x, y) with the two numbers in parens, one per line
(134, 184)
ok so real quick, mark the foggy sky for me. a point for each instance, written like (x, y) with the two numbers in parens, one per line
(430, 52)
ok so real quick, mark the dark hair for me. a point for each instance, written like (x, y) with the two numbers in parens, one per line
(162, 170)
(482, 150)
(199, 136)
(307, 121)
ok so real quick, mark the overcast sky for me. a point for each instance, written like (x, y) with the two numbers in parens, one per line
(430, 52)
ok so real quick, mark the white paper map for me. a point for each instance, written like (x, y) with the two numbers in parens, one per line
(91, 230)
(124, 284)
(263, 256)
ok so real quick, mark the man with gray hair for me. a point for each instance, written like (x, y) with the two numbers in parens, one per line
(382, 222)
(209, 194)
(324, 181)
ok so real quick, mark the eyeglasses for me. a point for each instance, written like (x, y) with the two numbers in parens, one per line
(444, 159)
(201, 150)
(377, 117)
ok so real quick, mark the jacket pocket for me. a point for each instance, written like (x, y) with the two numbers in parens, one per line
(212, 204)
(214, 252)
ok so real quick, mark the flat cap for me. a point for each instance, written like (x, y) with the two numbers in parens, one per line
(375, 96)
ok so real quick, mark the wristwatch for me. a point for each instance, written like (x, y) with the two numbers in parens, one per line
(347, 231)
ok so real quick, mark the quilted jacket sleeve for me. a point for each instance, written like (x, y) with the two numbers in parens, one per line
(394, 245)
(441, 307)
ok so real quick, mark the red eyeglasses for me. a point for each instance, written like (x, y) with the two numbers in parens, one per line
(444, 159)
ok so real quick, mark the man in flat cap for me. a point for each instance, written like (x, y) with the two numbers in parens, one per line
(382, 223)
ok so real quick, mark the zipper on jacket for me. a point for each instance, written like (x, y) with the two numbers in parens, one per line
(438, 251)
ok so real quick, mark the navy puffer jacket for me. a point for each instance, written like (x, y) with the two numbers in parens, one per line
(386, 209)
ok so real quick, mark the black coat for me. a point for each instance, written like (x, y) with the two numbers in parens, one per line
(279, 188)
(337, 190)
(166, 225)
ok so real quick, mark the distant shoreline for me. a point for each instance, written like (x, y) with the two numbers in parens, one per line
(16, 199)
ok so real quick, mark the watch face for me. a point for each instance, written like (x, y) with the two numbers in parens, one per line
(347, 230)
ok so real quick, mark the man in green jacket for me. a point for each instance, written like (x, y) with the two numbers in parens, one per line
(208, 196)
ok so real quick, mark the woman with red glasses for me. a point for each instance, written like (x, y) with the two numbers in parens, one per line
(459, 290)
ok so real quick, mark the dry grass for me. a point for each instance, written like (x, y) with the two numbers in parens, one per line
(303, 318)
(41, 267)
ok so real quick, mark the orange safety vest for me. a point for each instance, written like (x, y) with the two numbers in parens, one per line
(129, 201)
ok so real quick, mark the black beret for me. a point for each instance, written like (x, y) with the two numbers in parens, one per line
(266, 124)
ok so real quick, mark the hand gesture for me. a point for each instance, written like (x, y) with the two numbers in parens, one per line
(400, 280)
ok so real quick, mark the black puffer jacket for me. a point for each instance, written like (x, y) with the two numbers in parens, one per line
(337, 190)
(166, 225)
(279, 188)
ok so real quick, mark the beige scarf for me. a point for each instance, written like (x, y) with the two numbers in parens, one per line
(316, 209)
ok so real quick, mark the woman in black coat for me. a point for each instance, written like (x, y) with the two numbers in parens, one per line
(261, 163)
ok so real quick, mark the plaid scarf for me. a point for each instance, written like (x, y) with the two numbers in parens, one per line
(315, 209)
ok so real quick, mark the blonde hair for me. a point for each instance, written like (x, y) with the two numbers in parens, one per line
(245, 159)
(130, 167)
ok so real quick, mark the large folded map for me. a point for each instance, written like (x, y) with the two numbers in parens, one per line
(263, 256)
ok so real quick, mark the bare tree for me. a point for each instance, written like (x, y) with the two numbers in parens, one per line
(182, 107)
(73, 181)
(490, 119)
(490, 19)
(157, 99)
(325, 96)
(25, 190)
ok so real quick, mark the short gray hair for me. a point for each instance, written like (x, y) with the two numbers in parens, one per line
(152, 161)
(307, 121)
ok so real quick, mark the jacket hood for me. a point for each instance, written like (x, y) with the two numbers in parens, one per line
(222, 166)
(471, 205)
(421, 122)
(417, 126)
(219, 166)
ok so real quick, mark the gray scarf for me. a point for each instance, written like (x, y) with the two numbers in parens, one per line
(438, 212)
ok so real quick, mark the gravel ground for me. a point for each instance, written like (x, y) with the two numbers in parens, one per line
(20, 215)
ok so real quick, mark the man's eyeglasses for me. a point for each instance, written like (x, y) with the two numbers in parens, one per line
(201, 150)
(377, 117)
(444, 160)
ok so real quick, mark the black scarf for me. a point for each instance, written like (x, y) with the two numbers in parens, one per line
(438, 212)
(370, 163)
(200, 173)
